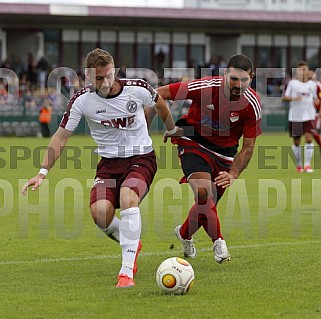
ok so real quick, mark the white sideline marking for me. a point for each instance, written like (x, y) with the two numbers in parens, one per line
(147, 254)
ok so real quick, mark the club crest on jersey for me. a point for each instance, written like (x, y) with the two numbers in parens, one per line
(131, 106)
(234, 116)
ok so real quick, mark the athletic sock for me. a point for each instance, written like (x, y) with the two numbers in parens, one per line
(129, 231)
(210, 221)
(297, 154)
(112, 231)
(202, 215)
(308, 153)
(191, 224)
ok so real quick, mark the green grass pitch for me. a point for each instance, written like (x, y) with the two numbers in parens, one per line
(54, 263)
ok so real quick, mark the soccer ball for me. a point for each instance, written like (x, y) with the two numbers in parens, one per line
(175, 276)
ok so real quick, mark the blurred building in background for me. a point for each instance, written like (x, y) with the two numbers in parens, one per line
(274, 33)
(37, 36)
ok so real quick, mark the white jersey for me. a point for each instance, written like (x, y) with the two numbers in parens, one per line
(303, 110)
(117, 123)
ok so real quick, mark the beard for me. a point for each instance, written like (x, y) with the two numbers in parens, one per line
(104, 92)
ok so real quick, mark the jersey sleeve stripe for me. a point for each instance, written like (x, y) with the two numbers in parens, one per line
(206, 83)
(203, 87)
(65, 116)
(254, 102)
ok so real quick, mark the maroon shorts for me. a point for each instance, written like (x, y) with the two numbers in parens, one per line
(136, 172)
(297, 129)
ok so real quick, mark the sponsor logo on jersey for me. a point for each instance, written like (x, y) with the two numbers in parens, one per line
(100, 111)
(119, 122)
(131, 106)
(213, 124)
(234, 116)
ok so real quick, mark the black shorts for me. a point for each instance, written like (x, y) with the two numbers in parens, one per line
(198, 160)
(192, 163)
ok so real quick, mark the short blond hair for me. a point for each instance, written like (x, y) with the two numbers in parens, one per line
(98, 57)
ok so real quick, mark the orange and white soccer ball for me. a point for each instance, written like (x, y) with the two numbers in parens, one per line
(175, 276)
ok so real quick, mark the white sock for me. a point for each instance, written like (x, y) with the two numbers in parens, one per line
(129, 231)
(112, 231)
(308, 153)
(298, 154)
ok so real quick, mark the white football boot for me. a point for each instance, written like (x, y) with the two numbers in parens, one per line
(221, 253)
(189, 249)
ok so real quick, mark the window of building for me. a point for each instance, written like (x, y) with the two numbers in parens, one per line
(161, 57)
(296, 56)
(52, 40)
(179, 56)
(126, 55)
(89, 40)
(85, 49)
(108, 42)
(312, 57)
(109, 47)
(144, 55)
(70, 55)
(197, 59)
(70, 40)
(248, 50)
(264, 57)
(280, 57)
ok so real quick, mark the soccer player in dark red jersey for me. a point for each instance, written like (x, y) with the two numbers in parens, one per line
(223, 109)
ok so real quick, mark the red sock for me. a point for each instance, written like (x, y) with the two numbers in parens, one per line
(202, 215)
(191, 224)
(317, 137)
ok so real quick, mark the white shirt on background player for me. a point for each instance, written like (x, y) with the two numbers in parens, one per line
(117, 123)
(302, 110)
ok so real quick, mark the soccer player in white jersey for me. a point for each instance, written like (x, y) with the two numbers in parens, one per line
(301, 92)
(114, 110)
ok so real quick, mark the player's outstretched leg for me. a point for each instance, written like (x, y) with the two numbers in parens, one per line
(189, 249)
(220, 251)
(129, 231)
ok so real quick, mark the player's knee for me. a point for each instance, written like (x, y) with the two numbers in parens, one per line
(100, 215)
(202, 195)
(128, 198)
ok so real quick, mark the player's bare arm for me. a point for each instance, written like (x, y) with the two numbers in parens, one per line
(150, 113)
(167, 118)
(225, 179)
(54, 150)
(164, 92)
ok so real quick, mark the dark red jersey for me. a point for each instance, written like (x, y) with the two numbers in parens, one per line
(212, 118)
(317, 104)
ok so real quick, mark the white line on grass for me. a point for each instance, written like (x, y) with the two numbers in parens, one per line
(147, 254)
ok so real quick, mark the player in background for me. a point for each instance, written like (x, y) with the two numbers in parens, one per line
(317, 103)
(223, 109)
(114, 110)
(301, 92)
(315, 76)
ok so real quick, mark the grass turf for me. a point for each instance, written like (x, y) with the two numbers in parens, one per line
(54, 263)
